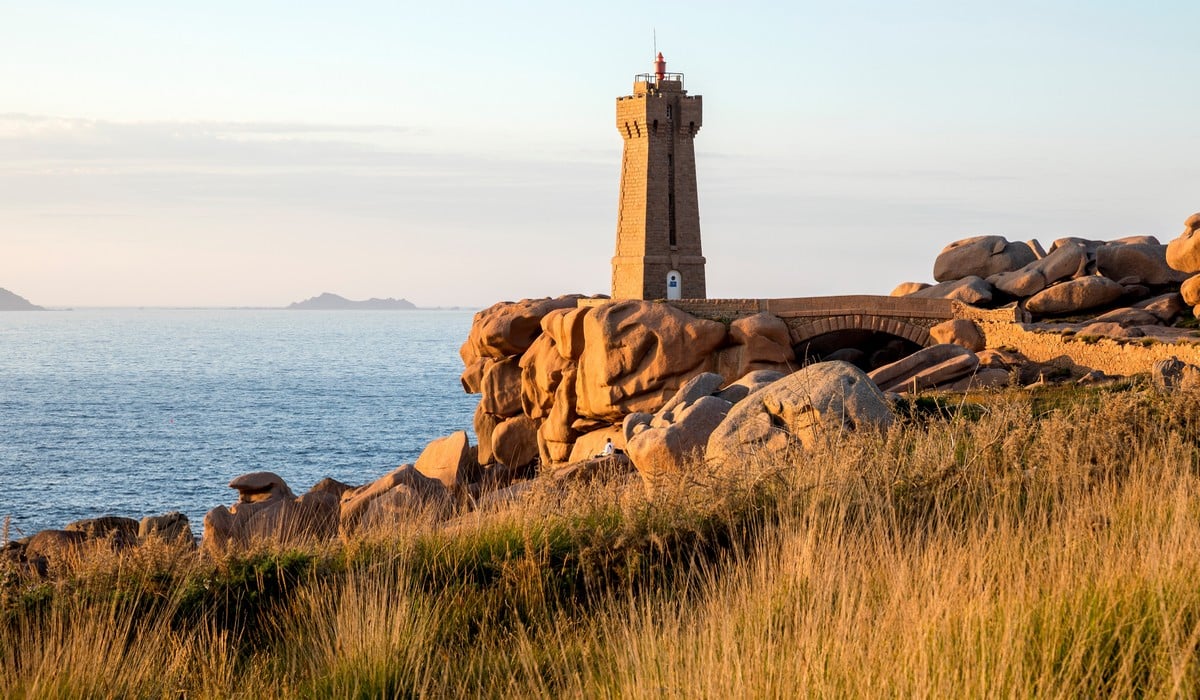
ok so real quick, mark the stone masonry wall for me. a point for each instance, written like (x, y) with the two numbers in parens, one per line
(1109, 356)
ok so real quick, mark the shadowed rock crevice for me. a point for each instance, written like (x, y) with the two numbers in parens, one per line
(865, 349)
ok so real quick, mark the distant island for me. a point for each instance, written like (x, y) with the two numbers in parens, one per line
(333, 302)
(14, 302)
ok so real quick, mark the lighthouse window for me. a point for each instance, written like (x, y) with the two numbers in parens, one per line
(668, 111)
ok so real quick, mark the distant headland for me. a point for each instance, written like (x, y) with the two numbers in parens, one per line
(15, 302)
(334, 302)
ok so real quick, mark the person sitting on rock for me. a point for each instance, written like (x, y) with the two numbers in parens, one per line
(608, 448)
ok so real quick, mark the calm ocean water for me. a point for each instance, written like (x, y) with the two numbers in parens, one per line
(138, 412)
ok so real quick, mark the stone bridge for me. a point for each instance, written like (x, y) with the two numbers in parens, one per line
(882, 328)
(809, 318)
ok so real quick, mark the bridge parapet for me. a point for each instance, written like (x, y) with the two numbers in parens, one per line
(846, 305)
(810, 317)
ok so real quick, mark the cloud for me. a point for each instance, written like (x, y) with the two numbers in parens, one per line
(36, 142)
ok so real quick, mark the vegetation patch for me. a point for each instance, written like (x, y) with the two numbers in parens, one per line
(1005, 543)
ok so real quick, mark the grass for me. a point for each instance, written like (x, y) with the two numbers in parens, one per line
(1012, 544)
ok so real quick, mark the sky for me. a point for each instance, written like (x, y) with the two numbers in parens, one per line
(460, 153)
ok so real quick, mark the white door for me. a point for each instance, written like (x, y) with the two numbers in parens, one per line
(674, 285)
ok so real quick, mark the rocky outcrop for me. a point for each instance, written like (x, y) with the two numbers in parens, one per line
(485, 425)
(959, 331)
(556, 433)
(501, 387)
(1183, 253)
(981, 378)
(749, 383)
(515, 442)
(1078, 275)
(592, 443)
(258, 487)
(1173, 374)
(1190, 291)
(509, 328)
(926, 369)
(757, 342)
(982, 256)
(678, 432)
(565, 328)
(1165, 307)
(905, 288)
(589, 469)
(123, 531)
(1139, 263)
(1128, 317)
(397, 495)
(40, 552)
(969, 290)
(268, 511)
(542, 369)
(1076, 295)
(172, 527)
(819, 401)
(1062, 263)
(53, 547)
(449, 461)
(670, 442)
(1104, 329)
(504, 330)
(637, 354)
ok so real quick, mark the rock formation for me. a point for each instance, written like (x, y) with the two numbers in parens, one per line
(267, 510)
(663, 442)
(1183, 253)
(1080, 294)
(637, 354)
(971, 290)
(927, 368)
(172, 528)
(1075, 287)
(814, 403)
(982, 256)
(959, 331)
(395, 495)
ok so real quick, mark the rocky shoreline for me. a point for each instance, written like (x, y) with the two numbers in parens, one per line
(559, 380)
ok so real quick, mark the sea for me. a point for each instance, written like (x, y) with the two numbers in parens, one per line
(137, 412)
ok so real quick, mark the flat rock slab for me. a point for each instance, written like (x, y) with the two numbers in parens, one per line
(905, 368)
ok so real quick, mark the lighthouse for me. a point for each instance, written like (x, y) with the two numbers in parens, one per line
(658, 252)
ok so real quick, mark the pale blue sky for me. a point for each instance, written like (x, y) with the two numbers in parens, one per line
(237, 153)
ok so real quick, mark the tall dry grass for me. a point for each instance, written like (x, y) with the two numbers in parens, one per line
(1044, 545)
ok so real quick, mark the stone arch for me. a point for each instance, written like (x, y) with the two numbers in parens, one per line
(809, 329)
(864, 340)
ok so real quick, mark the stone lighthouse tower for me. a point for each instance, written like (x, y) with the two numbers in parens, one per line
(658, 217)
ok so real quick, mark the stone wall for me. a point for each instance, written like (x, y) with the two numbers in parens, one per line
(1114, 357)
